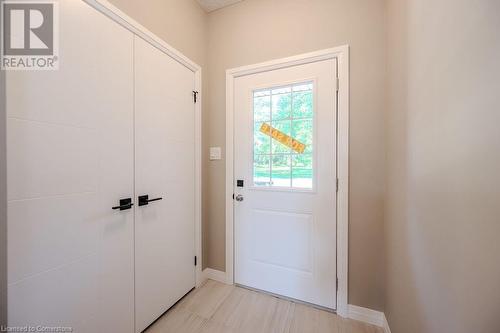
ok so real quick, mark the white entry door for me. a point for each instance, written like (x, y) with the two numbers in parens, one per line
(285, 182)
(164, 171)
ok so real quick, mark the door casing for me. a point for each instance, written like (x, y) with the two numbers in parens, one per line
(341, 53)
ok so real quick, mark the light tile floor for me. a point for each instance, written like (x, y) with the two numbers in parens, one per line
(220, 308)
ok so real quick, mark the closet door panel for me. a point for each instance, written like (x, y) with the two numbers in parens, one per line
(70, 159)
(165, 167)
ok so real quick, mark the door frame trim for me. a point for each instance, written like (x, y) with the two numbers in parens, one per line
(340, 53)
(115, 14)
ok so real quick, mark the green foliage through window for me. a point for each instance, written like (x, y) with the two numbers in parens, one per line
(289, 109)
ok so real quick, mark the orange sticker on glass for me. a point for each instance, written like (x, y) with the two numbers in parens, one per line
(282, 138)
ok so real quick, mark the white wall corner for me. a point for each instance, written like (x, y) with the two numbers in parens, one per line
(213, 274)
(368, 316)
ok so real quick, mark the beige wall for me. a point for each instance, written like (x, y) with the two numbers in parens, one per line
(258, 30)
(443, 200)
(181, 23)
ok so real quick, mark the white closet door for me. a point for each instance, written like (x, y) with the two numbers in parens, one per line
(70, 159)
(165, 168)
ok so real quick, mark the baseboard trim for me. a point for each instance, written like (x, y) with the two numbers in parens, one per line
(368, 316)
(213, 274)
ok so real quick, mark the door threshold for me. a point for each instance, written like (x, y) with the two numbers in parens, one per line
(290, 299)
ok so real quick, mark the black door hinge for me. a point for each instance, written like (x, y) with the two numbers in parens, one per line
(337, 285)
(195, 96)
(195, 260)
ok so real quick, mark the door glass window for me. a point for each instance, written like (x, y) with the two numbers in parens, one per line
(283, 136)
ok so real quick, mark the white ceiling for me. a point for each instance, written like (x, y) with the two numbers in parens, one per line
(211, 5)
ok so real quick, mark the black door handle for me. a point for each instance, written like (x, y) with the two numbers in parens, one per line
(124, 204)
(144, 200)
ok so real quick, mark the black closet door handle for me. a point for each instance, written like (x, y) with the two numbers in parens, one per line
(144, 200)
(124, 204)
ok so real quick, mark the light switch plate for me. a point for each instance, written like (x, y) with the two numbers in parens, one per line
(215, 153)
